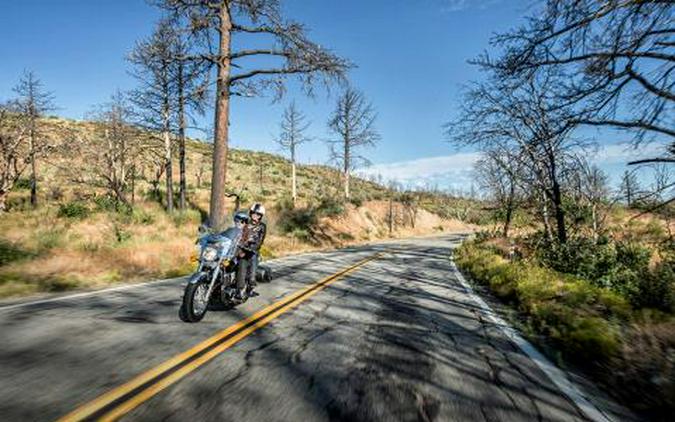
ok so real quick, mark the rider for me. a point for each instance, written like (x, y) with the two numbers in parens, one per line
(252, 239)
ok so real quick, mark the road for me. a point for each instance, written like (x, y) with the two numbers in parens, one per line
(397, 338)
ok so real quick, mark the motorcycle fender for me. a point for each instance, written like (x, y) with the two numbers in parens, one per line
(196, 277)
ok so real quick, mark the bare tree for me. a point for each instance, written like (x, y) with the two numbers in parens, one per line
(153, 61)
(33, 101)
(522, 118)
(107, 153)
(353, 121)
(593, 190)
(14, 149)
(630, 187)
(192, 95)
(617, 57)
(214, 25)
(499, 173)
(292, 134)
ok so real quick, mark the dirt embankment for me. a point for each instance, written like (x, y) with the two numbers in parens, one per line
(368, 222)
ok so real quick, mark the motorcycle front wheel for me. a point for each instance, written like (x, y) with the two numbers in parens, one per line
(195, 302)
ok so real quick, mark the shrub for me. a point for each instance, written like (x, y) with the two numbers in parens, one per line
(22, 183)
(573, 313)
(140, 216)
(357, 201)
(111, 204)
(75, 210)
(330, 207)
(10, 252)
(656, 289)
(297, 219)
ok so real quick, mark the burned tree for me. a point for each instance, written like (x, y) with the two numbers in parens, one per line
(155, 99)
(213, 25)
(108, 151)
(617, 59)
(353, 122)
(33, 102)
(14, 149)
(522, 119)
(293, 126)
(499, 173)
(630, 187)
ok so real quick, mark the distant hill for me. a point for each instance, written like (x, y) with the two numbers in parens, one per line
(79, 237)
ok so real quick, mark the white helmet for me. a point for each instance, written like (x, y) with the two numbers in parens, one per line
(257, 208)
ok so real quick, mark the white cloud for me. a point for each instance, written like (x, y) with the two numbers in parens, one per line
(449, 171)
(451, 6)
(455, 171)
(622, 153)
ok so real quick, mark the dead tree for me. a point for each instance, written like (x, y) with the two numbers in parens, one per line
(14, 149)
(593, 191)
(214, 25)
(630, 187)
(106, 155)
(500, 174)
(192, 95)
(522, 119)
(155, 98)
(33, 102)
(353, 122)
(292, 134)
(617, 58)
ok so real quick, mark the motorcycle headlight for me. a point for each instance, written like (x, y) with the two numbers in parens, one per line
(210, 254)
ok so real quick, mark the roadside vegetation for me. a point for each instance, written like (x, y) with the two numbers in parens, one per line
(81, 235)
(588, 263)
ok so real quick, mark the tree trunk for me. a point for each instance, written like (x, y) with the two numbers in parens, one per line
(346, 175)
(293, 181)
(133, 185)
(3, 201)
(509, 211)
(181, 136)
(391, 215)
(33, 167)
(219, 173)
(594, 215)
(260, 176)
(547, 223)
(169, 171)
(559, 213)
(347, 158)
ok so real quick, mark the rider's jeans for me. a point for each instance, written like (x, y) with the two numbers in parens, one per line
(247, 267)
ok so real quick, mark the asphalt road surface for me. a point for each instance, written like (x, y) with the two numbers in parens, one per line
(398, 338)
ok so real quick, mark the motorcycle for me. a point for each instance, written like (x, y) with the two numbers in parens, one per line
(215, 282)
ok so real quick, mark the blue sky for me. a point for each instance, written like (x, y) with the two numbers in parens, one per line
(411, 57)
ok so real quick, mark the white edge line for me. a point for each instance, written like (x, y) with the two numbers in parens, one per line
(553, 372)
(85, 294)
(124, 287)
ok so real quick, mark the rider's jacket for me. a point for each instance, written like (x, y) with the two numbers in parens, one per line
(253, 236)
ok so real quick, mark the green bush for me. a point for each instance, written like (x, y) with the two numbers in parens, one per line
(297, 219)
(10, 252)
(575, 315)
(22, 184)
(140, 216)
(330, 207)
(112, 204)
(357, 201)
(75, 210)
(656, 289)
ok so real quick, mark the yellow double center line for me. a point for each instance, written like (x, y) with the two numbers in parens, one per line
(121, 400)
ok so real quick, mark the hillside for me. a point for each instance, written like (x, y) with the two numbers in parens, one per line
(79, 237)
